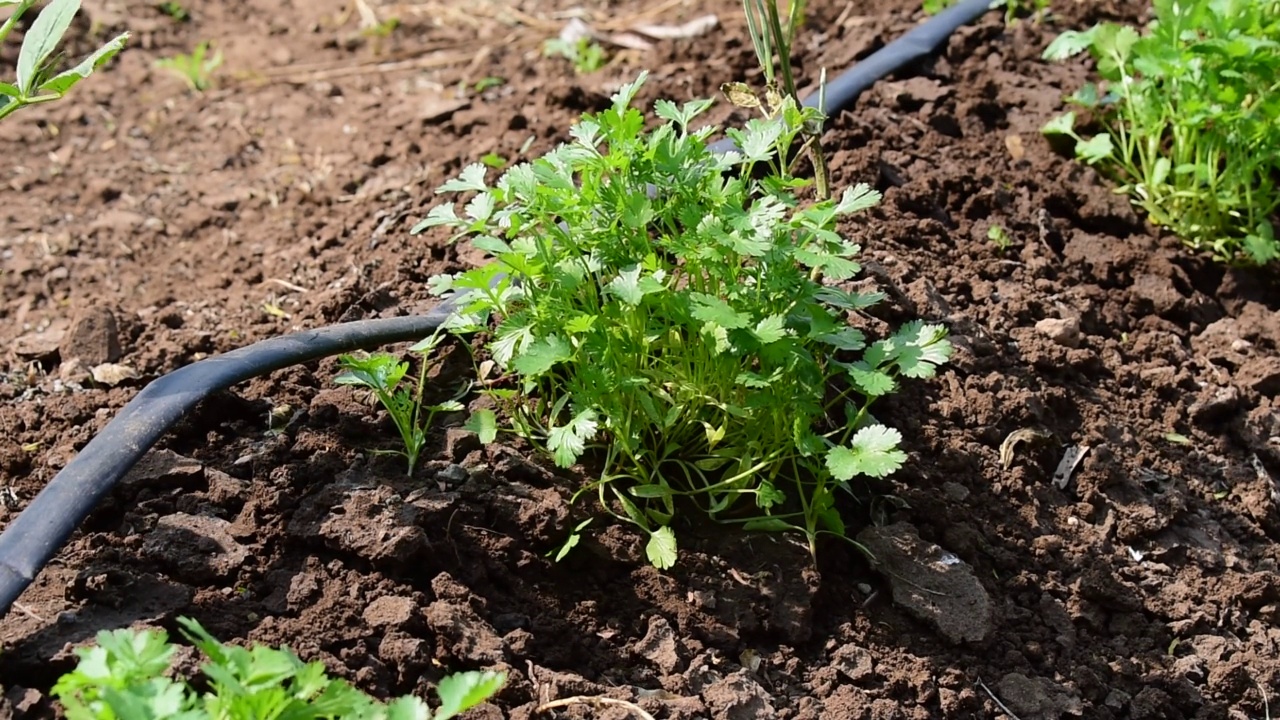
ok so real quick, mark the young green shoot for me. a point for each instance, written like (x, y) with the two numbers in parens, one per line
(680, 320)
(383, 373)
(195, 69)
(772, 39)
(999, 237)
(586, 54)
(125, 674)
(175, 10)
(38, 80)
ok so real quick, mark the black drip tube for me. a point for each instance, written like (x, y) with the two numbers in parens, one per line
(32, 539)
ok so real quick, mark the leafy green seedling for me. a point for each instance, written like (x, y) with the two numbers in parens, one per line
(999, 237)
(124, 676)
(175, 10)
(382, 373)
(37, 80)
(1190, 118)
(494, 160)
(196, 68)
(680, 319)
(586, 54)
(486, 83)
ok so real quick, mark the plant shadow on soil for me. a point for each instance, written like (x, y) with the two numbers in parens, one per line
(1147, 587)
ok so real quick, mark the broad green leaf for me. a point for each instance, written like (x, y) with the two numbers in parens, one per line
(858, 198)
(768, 524)
(1068, 44)
(484, 423)
(62, 82)
(481, 207)
(661, 548)
(567, 442)
(649, 492)
(41, 39)
(713, 310)
(1095, 149)
(872, 383)
(471, 178)
(439, 215)
(626, 287)
(408, 708)
(844, 339)
(873, 452)
(580, 324)
(542, 355)
(1064, 124)
(377, 372)
(771, 329)
(9, 90)
(462, 691)
(627, 93)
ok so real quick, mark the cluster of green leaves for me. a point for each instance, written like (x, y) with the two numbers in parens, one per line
(195, 68)
(383, 373)
(123, 677)
(1190, 111)
(38, 81)
(678, 311)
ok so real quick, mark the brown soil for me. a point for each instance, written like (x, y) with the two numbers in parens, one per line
(150, 227)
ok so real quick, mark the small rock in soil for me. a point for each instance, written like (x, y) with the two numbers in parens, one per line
(164, 466)
(930, 583)
(94, 338)
(391, 611)
(853, 662)
(659, 645)
(41, 345)
(469, 638)
(1215, 404)
(1064, 331)
(738, 697)
(196, 548)
(1262, 375)
(1037, 698)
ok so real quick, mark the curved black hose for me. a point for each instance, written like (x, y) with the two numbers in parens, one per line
(32, 539)
(917, 44)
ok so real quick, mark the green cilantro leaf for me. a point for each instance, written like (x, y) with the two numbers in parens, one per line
(471, 178)
(484, 423)
(873, 452)
(542, 355)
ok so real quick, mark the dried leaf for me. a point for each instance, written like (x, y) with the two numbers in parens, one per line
(112, 374)
(693, 28)
(631, 41)
(740, 94)
(1013, 143)
(1015, 437)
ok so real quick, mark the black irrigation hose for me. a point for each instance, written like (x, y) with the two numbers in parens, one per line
(32, 539)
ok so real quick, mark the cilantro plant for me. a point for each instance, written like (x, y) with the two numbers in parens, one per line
(383, 373)
(678, 315)
(38, 81)
(124, 676)
(1190, 117)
